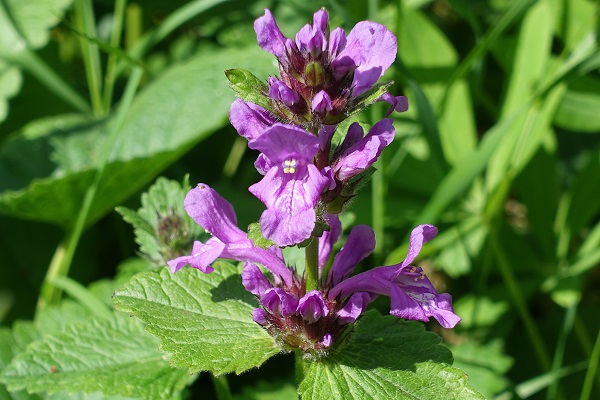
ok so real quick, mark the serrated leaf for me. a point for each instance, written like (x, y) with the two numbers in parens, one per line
(387, 358)
(248, 87)
(255, 235)
(205, 321)
(114, 356)
(180, 108)
(8, 348)
(162, 227)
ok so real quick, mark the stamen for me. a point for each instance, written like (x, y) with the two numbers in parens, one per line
(289, 166)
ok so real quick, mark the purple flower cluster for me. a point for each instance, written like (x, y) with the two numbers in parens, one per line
(307, 179)
(312, 320)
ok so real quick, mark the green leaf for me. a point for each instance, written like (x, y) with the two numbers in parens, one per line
(431, 58)
(257, 238)
(531, 65)
(248, 87)
(28, 23)
(578, 110)
(387, 358)
(24, 25)
(8, 348)
(10, 84)
(486, 365)
(180, 108)
(162, 227)
(205, 321)
(114, 356)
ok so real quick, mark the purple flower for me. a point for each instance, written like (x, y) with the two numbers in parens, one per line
(327, 71)
(359, 153)
(292, 184)
(254, 281)
(216, 216)
(281, 92)
(359, 245)
(397, 103)
(321, 103)
(249, 119)
(279, 302)
(370, 49)
(312, 306)
(329, 238)
(412, 294)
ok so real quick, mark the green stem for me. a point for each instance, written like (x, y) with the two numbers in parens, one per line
(312, 264)
(517, 297)
(221, 385)
(588, 382)
(567, 327)
(300, 367)
(63, 257)
(115, 38)
(84, 19)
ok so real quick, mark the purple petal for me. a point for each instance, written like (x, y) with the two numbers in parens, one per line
(354, 135)
(372, 48)
(253, 280)
(418, 237)
(177, 263)
(249, 119)
(444, 312)
(260, 316)
(404, 306)
(327, 340)
(244, 250)
(281, 92)
(364, 79)
(398, 103)
(325, 135)
(360, 244)
(329, 238)
(312, 306)
(216, 215)
(355, 305)
(327, 172)
(321, 103)
(290, 199)
(203, 254)
(320, 20)
(375, 281)
(311, 39)
(269, 36)
(414, 297)
(213, 213)
(337, 43)
(279, 302)
(365, 152)
(263, 164)
(282, 142)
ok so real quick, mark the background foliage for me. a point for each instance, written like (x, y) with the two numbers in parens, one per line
(500, 149)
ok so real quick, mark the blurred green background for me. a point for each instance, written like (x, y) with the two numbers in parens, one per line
(500, 149)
